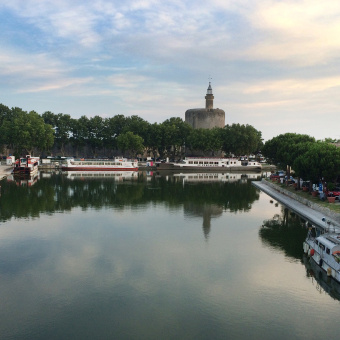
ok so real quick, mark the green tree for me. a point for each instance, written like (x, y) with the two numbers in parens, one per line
(175, 134)
(80, 133)
(96, 133)
(131, 143)
(153, 140)
(283, 149)
(241, 139)
(25, 132)
(63, 129)
(321, 160)
(113, 127)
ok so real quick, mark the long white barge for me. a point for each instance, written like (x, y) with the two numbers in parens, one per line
(116, 164)
(211, 164)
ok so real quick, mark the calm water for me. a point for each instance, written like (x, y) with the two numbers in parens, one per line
(156, 257)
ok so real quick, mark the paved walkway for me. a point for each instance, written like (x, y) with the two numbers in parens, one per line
(313, 216)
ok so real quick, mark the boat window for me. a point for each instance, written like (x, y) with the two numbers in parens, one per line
(316, 242)
(322, 246)
(328, 251)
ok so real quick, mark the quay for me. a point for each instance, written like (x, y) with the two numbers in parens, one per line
(319, 216)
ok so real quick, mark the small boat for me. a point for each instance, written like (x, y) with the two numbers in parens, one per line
(211, 164)
(26, 166)
(324, 250)
(116, 164)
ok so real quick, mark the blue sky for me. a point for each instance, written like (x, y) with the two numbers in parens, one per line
(274, 64)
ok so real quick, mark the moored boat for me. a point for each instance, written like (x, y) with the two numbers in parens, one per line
(116, 164)
(211, 164)
(26, 166)
(324, 250)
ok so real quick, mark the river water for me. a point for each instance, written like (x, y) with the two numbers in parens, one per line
(156, 256)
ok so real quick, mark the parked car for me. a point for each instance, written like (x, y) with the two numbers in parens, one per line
(278, 174)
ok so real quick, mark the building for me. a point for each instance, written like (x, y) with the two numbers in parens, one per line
(208, 117)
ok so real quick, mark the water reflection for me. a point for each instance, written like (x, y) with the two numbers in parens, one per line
(201, 195)
(127, 261)
(286, 232)
(319, 279)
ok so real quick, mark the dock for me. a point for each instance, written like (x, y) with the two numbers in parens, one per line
(321, 217)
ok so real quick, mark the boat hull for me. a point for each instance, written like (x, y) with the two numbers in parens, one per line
(82, 168)
(118, 164)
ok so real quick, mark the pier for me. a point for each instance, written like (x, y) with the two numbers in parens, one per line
(321, 217)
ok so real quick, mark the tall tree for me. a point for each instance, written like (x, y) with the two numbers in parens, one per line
(96, 133)
(80, 133)
(131, 143)
(63, 131)
(26, 132)
(321, 160)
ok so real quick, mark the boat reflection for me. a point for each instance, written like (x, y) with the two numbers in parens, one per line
(215, 177)
(323, 282)
(117, 175)
(23, 180)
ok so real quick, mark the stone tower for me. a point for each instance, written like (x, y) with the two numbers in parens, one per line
(208, 117)
(209, 98)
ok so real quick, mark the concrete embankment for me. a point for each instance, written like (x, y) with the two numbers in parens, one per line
(310, 211)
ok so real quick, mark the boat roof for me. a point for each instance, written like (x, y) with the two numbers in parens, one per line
(330, 239)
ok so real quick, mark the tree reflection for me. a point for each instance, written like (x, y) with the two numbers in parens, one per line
(286, 232)
(59, 193)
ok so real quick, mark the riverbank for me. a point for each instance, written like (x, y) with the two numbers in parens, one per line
(310, 208)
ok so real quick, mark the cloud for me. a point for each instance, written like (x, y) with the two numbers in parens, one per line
(304, 32)
(153, 58)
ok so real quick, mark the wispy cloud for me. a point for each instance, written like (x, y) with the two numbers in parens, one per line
(154, 57)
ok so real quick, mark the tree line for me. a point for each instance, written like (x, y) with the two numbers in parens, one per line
(310, 159)
(28, 133)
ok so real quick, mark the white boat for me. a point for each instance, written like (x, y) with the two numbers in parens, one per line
(324, 250)
(116, 164)
(211, 164)
(26, 166)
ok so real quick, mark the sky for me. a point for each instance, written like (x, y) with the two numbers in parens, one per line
(273, 64)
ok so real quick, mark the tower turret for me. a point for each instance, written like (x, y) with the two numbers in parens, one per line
(208, 117)
(209, 98)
